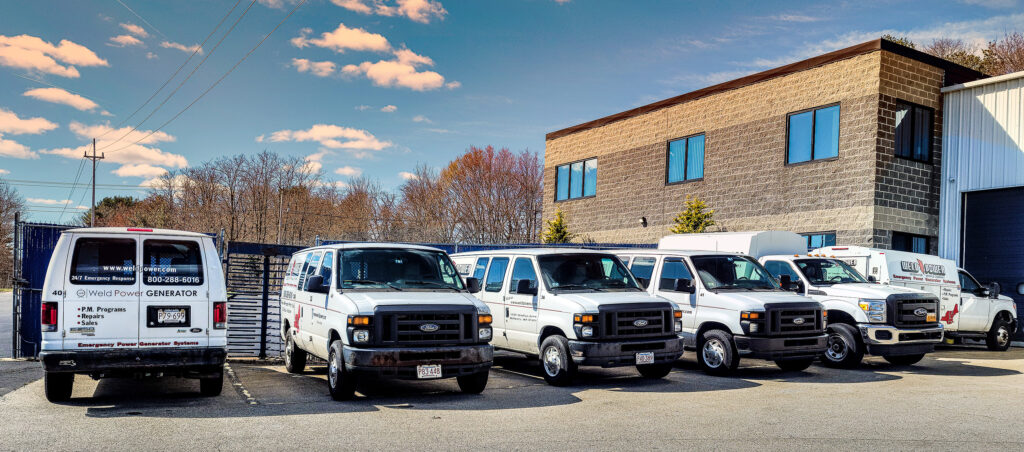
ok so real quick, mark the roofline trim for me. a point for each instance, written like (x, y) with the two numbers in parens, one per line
(984, 81)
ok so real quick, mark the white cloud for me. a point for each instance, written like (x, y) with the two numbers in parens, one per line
(139, 170)
(348, 171)
(141, 153)
(314, 162)
(416, 10)
(562, 2)
(421, 118)
(60, 96)
(151, 56)
(991, 3)
(440, 131)
(4, 172)
(177, 182)
(363, 107)
(182, 47)
(49, 202)
(332, 137)
(135, 30)
(453, 84)
(389, 109)
(399, 72)
(318, 68)
(11, 148)
(12, 124)
(799, 18)
(34, 54)
(342, 39)
(276, 4)
(260, 138)
(124, 41)
(406, 175)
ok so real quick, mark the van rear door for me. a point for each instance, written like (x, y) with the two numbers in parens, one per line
(101, 302)
(175, 308)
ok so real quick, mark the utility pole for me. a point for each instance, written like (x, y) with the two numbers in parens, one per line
(94, 158)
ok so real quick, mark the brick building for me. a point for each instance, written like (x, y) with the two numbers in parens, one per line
(843, 147)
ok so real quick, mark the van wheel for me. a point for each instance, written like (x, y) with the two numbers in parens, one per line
(844, 350)
(558, 367)
(294, 357)
(654, 371)
(473, 384)
(904, 360)
(58, 386)
(999, 336)
(794, 365)
(211, 387)
(716, 353)
(341, 384)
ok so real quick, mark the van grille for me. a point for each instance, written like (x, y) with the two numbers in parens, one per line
(403, 328)
(795, 319)
(636, 321)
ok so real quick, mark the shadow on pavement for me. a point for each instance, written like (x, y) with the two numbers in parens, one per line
(17, 373)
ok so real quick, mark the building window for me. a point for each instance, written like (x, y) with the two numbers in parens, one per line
(817, 240)
(685, 159)
(901, 241)
(813, 135)
(576, 180)
(913, 132)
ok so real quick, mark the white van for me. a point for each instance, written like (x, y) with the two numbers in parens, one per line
(383, 310)
(573, 307)
(968, 309)
(732, 308)
(133, 302)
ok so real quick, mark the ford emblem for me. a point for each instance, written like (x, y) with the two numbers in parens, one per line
(798, 321)
(429, 327)
(640, 323)
(920, 312)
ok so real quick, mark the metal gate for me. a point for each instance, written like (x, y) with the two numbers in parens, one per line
(253, 274)
(33, 246)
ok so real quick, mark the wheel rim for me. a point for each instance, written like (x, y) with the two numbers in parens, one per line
(1002, 336)
(552, 361)
(837, 348)
(332, 370)
(714, 353)
(288, 353)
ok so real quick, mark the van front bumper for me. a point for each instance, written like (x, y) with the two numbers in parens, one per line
(401, 363)
(173, 361)
(887, 340)
(773, 348)
(623, 353)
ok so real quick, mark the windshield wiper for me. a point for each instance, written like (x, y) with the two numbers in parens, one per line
(370, 281)
(575, 287)
(432, 283)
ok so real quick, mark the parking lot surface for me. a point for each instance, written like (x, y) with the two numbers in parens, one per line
(958, 398)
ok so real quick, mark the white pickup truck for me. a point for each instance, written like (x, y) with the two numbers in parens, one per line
(572, 308)
(384, 311)
(732, 307)
(133, 302)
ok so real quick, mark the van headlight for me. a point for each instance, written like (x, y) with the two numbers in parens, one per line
(587, 331)
(583, 325)
(875, 310)
(361, 336)
(484, 334)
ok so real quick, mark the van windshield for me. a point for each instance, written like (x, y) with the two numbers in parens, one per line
(732, 273)
(588, 272)
(397, 269)
(820, 272)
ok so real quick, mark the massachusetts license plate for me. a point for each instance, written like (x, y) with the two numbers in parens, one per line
(171, 316)
(428, 371)
(645, 358)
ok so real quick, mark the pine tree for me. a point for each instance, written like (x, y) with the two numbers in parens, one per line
(694, 218)
(556, 230)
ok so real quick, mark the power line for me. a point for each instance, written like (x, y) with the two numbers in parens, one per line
(72, 192)
(218, 80)
(59, 184)
(144, 20)
(51, 85)
(190, 74)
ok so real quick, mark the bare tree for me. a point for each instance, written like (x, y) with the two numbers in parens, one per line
(957, 51)
(10, 203)
(1005, 55)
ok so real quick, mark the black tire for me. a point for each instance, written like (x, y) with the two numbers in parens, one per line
(904, 360)
(654, 371)
(1000, 336)
(794, 365)
(473, 384)
(845, 349)
(340, 383)
(58, 386)
(294, 357)
(716, 353)
(212, 386)
(556, 363)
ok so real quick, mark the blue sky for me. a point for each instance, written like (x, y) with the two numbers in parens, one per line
(386, 83)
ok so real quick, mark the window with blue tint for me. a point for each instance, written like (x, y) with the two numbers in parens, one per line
(813, 135)
(576, 180)
(643, 268)
(913, 135)
(779, 268)
(481, 268)
(685, 159)
(901, 241)
(817, 240)
(496, 274)
(671, 269)
(562, 184)
(523, 269)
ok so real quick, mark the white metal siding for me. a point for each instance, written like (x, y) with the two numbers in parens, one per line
(982, 147)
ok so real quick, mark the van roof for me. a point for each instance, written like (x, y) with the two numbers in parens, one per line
(356, 245)
(664, 252)
(133, 230)
(535, 251)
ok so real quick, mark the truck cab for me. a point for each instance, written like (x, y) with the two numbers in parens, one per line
(573, 307)
(732, 308)
(983, 313)
(383, 311)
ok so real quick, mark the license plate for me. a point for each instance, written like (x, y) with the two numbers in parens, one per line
(170, 316)
(428, 371)
(931, 318)
(645, 358)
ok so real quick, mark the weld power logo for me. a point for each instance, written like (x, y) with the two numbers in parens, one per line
(921, 267)
(950, 315)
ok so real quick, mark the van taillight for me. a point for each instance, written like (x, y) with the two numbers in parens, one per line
(49, 316)
(220, 315)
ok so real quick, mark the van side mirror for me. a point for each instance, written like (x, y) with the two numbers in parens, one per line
(994, 289)
(871, 278)
(524, 287)
(315, 284)
(683, 285)
(473, 285)
(1020, 288)
(787, 283)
